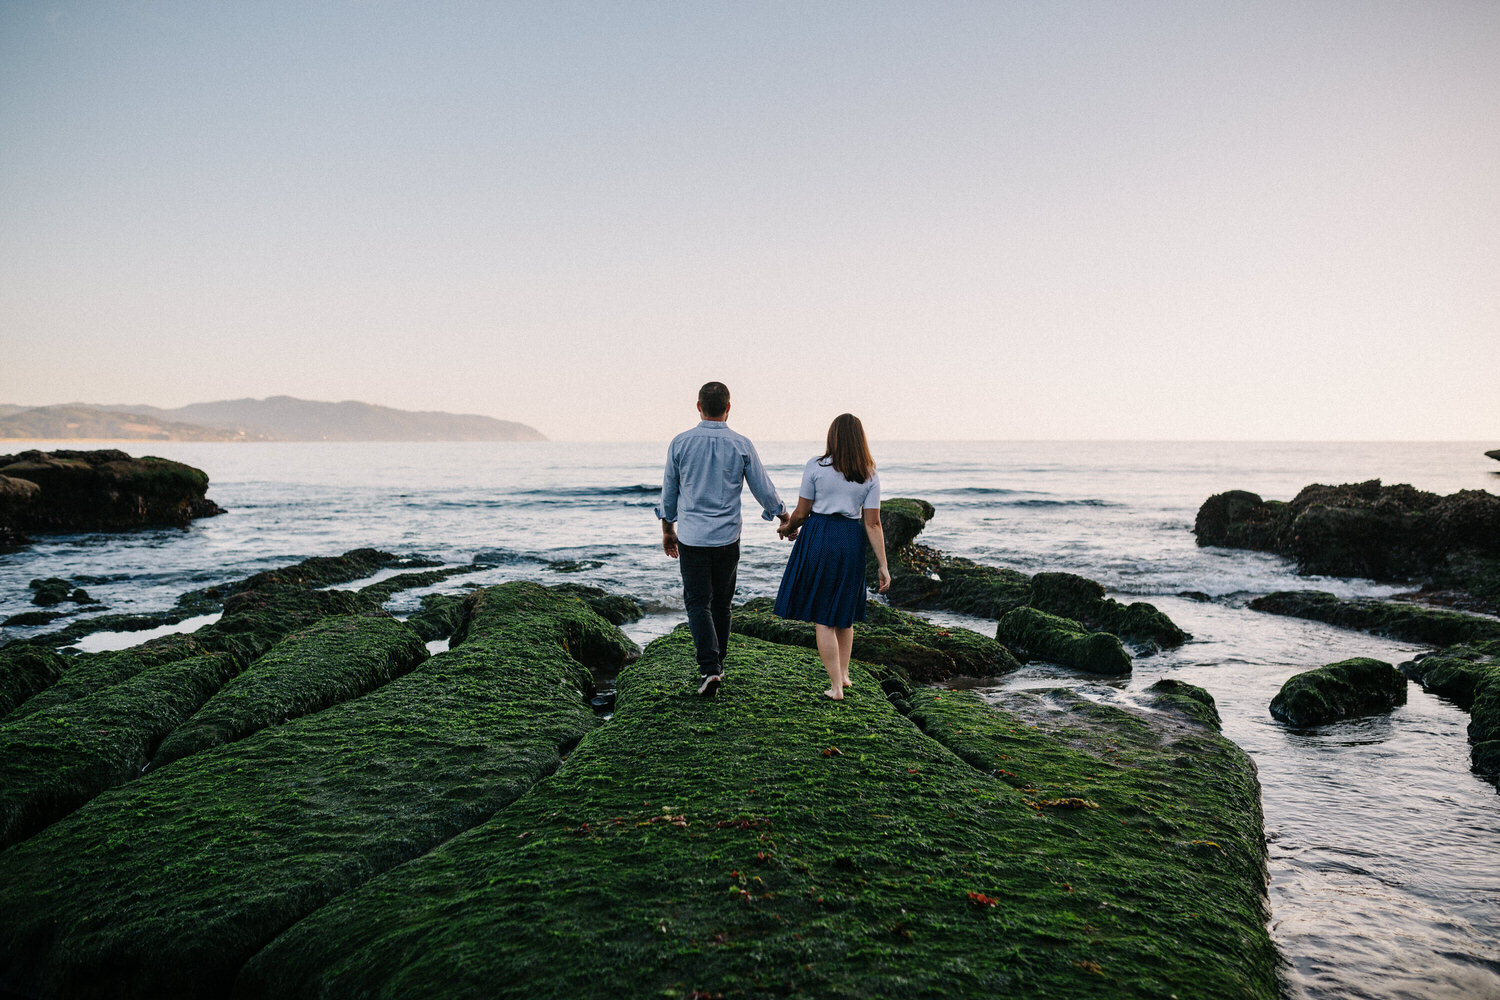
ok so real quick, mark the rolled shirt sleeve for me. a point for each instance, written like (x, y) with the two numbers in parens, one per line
(761, 486)
(667, 509)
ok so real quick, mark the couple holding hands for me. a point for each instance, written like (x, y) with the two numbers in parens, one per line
(838, 509)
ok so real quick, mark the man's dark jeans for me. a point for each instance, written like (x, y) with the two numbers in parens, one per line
(708, 578)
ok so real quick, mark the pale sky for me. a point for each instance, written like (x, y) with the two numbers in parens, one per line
(1198, 220)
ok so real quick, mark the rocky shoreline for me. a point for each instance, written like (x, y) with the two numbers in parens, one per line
(1450, 546)
(297, 800)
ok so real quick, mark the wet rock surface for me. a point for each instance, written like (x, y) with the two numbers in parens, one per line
(1357, 686)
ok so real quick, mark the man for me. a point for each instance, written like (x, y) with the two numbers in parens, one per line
(700, 522)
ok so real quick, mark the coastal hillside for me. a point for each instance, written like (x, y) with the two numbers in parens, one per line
(277, 418)
(66, 423)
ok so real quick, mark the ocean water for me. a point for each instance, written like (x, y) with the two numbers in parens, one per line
(1384, 881)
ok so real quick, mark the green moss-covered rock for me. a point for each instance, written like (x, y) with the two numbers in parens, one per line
(902, 519)
(438, 617)
(770, 843)
(1469, 674)
(54, 761)
(1358, 686)
(1068, 595)
(617, 609)
(919, 650)
(1167, 813)
(585, 636)
(1036, 635)
(25, 671)
(326, 663)
(93, 672)
(1186, 699)
(167, 886)
(379, 593)
(1396, 619)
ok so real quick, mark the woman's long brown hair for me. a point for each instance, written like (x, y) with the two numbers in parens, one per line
(849, 449)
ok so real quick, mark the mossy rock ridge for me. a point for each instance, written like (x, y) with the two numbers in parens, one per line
(379, 593)
(1396, 619)
(1469, 674)
(1164, 824)
(88, 673)
(582, 633)
(617, 609)
(1357, 686)
(1036, 635)
(329, 662)
(769, 843)
(438, 617)
(306, 575)
(920, 651)
(1068, 595)
(166, 886)
(24, 672)
(54, 761)
(1390, 533)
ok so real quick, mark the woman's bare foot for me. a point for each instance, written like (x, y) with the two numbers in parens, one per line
(848, 684)
(833, 695)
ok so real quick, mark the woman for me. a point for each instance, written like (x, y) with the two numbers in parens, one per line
(824, 582)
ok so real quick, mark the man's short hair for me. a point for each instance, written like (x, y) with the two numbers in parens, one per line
(714, 398)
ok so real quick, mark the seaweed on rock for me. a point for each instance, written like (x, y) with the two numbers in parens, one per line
(768, 842)
(1469, 674)
(438, 617)
(326, 663)
(26, 671)
(167, 885)
(1068, 595)
(54, 761)
(1035, 634)
(1357, 686)
(1396, 619)
(617, 609)
(920, 651)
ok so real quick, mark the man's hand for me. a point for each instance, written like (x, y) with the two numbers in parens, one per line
(784, 529)
(669, 539)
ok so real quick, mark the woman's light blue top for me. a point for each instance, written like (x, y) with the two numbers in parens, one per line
(831, 493)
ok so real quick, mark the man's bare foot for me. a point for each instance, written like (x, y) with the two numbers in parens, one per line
(834, 696)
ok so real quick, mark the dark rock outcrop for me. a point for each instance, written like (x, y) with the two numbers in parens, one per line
(1389, 533)
(55, 590)
(1396, 619)
(104, 490)
(1493, 454)
(1358, 686)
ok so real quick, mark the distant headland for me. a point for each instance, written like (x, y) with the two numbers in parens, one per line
(277, 418)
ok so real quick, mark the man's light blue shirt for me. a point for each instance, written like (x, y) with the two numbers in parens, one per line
(700, 490)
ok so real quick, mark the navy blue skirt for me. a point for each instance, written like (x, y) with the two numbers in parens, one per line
(824, 580)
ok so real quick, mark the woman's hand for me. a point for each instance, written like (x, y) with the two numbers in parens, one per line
(885, 579)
